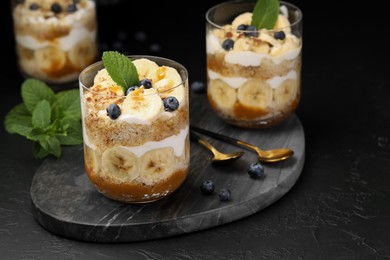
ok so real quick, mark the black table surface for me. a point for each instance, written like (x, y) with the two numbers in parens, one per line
(339, 207)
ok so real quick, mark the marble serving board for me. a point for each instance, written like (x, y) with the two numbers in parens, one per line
(65, 203)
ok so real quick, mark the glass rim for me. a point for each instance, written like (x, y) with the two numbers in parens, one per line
(99, 63)
(288, 4)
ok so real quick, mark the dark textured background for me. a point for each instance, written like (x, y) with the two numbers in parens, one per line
(338, 209)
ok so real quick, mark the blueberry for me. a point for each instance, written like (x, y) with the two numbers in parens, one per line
(130, 89)
(225, 195)
(171, 103)
(34, 6)
(71, 8)
(207, 187)
(113, 111)
(56, 8)
(198, 87)
(228, 44)
(251, 31)
(256, 170)
(279, 35)
(242, 27)
(146, 83)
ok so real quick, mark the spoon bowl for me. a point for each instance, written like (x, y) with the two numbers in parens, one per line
(218, 156)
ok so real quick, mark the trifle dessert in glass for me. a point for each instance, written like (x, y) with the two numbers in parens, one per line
(136, 142)
(55, 39)
(254, 61)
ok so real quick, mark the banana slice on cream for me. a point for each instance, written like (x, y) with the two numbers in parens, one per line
(167, 82)
(144, 66)
(244, 18)
(143, 104)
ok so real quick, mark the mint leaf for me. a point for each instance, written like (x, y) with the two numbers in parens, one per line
(67, 104)
(38, 151)
(18, 121)
(51, 145)
(73, 135)
(121, 69)
(41, 115)
(265, 14)
(33, 91)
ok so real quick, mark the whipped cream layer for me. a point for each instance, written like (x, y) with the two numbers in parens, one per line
(176, 142)
(236, 82)
(65, 43)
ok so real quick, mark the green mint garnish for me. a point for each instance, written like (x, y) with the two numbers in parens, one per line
(265, 14)
(48, 119)
(121, 69)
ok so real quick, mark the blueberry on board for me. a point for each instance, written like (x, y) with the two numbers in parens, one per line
(251, 31)
(228, 44)
(146, 83)
(242, 27)
(207, 187)
(113, 111)
(56, 8)
(225, 195)
(198, 87)
(130, 89)
(279, 35)
(256, 170)
(171, 103)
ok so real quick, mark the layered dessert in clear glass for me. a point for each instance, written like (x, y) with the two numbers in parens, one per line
(136, 142)
(55, 39)
(254, 75)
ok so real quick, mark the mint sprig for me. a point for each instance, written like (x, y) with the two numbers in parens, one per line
(121, 69)
(265, 14)
(48, 119)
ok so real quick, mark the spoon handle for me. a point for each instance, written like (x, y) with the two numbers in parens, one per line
(194, 136)
(223, 137)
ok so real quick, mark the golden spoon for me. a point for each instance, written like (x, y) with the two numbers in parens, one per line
(218, 156)
(274, 155)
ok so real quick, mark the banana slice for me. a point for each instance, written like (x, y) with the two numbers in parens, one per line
(282, 23)
(83, 53)
(143, 104)
(242, 44)
(120, 165)
(284, 94)
(92, 159)
(167, 81)
(156, 165)
(260, 47)
(264, 36)
(245, 18)
(106, 83)
(255, 94)
(50, 58)
(224, 96)
(289, 44)
(144, 66)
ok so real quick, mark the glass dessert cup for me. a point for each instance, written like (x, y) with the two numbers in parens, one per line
(55, 40)
(136, 158)
(253, 76)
